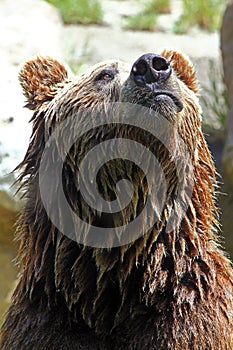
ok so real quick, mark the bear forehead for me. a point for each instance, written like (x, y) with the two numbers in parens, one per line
(116, 67)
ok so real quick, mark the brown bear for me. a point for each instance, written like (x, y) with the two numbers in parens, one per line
(99, 274)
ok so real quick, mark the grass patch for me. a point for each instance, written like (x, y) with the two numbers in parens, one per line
(79, 11)
(158, 6)
(147, 18)
(144, 21)
(206, 14)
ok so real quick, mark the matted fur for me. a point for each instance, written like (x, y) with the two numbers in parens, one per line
(167, 290)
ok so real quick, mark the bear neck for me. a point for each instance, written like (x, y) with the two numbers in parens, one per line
(57, 270)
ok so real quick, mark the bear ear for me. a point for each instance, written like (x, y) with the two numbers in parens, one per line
(40, 78)
(183, 68)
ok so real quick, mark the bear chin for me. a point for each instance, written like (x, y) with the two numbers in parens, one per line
(167, 98)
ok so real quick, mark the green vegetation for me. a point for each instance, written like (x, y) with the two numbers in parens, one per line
(214, 100)
(159, 6)
(142, 21)
(206, 14)
(147, 18)
(79, 11)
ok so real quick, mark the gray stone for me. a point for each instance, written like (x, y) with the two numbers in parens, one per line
(227, 55)
(28, 28)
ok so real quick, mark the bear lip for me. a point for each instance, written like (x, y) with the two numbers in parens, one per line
(172, 96)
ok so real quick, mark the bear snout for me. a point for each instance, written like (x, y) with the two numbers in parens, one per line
(149, 69)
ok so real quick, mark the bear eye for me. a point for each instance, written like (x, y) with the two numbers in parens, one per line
(105, 75)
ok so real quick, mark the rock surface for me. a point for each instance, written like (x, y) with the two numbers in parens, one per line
(227, 55)
(226, 201)
(26, 31)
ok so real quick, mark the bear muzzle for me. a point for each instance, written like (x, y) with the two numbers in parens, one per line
(154, 72)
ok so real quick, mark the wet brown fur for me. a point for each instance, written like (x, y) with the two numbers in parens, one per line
(167, 290)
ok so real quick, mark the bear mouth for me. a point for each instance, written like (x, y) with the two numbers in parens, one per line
(166, 97)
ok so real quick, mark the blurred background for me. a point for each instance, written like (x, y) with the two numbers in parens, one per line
(82, 32)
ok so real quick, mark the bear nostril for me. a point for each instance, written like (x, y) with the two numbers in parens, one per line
(150, 68)
(160, 64)
(140, 68)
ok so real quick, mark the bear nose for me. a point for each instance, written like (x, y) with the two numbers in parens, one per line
(150, 68)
